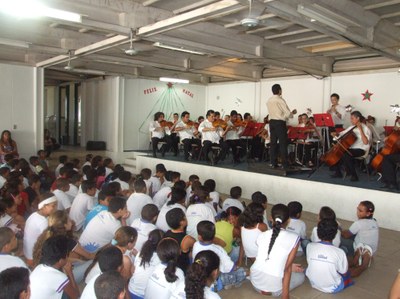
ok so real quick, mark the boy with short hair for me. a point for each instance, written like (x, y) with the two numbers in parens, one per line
(109, 165)
(192, 178)
(75, 180)
(8, 243)
(138, 200)
(62, 159)
(82, 204)
(101, 229)
(145, 175)
(62, 186)
(233, 201)
(33, 190)
(110, 285)
(158, 179)
(296, 225)
(230, 274)
(161, 197)
(145, 224)
(14, 283)
(327, 265)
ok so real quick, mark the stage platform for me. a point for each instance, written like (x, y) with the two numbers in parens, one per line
(318, 190)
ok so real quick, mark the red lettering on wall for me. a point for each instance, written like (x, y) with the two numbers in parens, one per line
(150, 90)
(187, 92)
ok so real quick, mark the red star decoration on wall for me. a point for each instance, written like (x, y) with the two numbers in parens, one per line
(367, 95)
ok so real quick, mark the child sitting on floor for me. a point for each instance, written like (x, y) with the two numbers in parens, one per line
(296, 225)
(233, 200)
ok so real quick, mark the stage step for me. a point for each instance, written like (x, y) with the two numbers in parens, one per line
(130, 161)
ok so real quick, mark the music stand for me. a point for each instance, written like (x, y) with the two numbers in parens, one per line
(324, 121)
(298, 133)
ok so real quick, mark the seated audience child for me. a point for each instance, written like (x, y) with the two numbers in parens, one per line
(198, 211)
(62, 186)
(214, 195)
(33, 190)
(192, 178)
(101, 176)
(177, 200)
(166, 275)
(48, 279)
(96, 162)
(145, 262)
(326, 213)
(124, 178)
(88, 160)
(158, 179)
(366, 236)
(230, 274)
(200, 277)
(109, 166)
(145, 224)
(37, 223)
(101, 229)
(108, 191)
(327, 264)
(62, 159)
(260, 198)
(252, 227)
(161, 197)
(75, 180)
(4, 172)
(61, 225)
(125, 240)
(145, 175)
(233, 200)
(11, 219)
(83, 204)
(108, 259)
(138, 200)
(271, 273)
(110, 285)
(228, 231)
(296, 225)
(9, 243)
(14, 283)
(176, 220)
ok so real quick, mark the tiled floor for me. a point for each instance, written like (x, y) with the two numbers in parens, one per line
(375, 283)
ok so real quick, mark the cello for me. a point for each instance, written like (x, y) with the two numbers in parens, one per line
(392, 146)
(334, 155)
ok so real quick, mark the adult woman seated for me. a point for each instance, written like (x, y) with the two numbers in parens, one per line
(7, 145)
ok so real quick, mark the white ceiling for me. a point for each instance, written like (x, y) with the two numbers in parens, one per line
(339, 35)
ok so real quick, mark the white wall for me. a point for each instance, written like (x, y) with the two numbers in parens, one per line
(143, 98)
(21, 102)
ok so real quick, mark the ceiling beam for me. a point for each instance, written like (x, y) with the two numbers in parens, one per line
(381, 4)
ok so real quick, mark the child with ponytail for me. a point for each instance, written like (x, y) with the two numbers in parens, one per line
(166, 275)
(145, 262)
(271, 274)
(200, 276)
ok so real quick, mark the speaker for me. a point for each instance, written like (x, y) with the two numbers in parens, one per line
(95, 146)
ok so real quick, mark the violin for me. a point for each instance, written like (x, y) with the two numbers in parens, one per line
(220, 123)
(191, 123)
(166, 124)
(240, 123)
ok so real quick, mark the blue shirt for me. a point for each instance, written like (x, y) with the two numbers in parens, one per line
(97, 209)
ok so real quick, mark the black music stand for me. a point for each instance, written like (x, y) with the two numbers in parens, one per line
(324, 121)
(298, 133)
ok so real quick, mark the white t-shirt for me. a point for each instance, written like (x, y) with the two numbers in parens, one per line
(88, 292)
(81, 206)
(367, 232)
(231, 202)
(158, 287)
(214, 195)
(161, 197)
(135, 204)
(63, 201)
(179, 292)
(138, 282)
(108, 171)
(5, 220)
(196, 213)
(188, 194)
(225, 265)
(267, 271)
(249, 240)
(298, 227)
(2, 181)
(359, 143)
(148, 186)
(9, 261)
(47, 282)
(72, 192)
(325, 264)
(161, 219)
(143, 229)
(57, 171)
(314, 237)
(34, 226)
(124, 185)
(99, 231)
(155, 184)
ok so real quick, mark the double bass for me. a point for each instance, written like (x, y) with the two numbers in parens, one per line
(337, 151)
(392, 146)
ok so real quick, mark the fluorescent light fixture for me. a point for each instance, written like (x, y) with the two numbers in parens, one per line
(180, 49)
(35, 9)
(14, 43)
(315, 15)
(173, 80)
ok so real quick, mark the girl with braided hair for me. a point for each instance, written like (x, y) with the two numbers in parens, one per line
(200, 276)
(145, 262)
(167, 275)
(271, 273)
